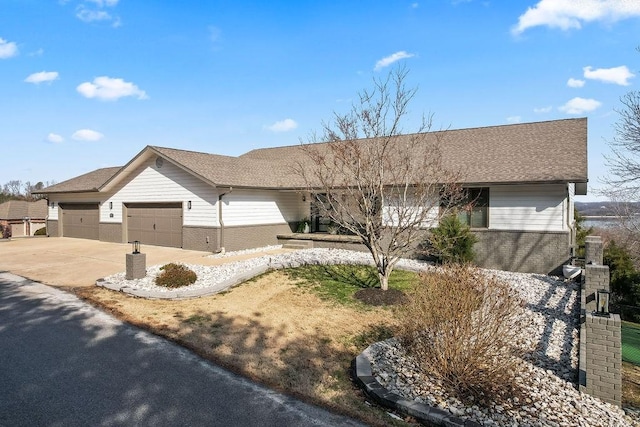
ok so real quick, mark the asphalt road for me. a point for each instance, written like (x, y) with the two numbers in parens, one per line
(65, 363)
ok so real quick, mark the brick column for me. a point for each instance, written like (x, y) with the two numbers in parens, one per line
(603, 351)
(600, 336)
(595, 277)
(594, 250)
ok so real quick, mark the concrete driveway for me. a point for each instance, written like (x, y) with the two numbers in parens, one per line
(64, 261)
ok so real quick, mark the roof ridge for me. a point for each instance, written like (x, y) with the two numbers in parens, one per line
(156, 147)
(432, 132)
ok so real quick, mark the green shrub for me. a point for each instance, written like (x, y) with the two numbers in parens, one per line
(461, 326)
(175, 276)
(625, 279)
(5, 231)
(581, 233)
(41, 232)
(452, 241)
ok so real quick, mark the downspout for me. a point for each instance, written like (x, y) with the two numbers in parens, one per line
(221, 221)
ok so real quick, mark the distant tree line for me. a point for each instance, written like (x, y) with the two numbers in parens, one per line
(607, 208)
(18, 190)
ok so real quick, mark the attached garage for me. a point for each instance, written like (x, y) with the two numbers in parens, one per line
(80, 220)
(157, 224)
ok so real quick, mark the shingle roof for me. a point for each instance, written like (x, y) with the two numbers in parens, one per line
(230, 171)
(18, 209)
(552, 151)
(91, 181)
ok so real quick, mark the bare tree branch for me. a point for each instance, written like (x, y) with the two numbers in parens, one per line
(371, 179)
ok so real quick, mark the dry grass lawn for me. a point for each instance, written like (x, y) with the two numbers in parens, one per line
(630, 385)
(271, 330)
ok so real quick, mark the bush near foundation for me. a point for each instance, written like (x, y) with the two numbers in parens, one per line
(452, 241)
(461, 327)
(175, 276)
(41, 232)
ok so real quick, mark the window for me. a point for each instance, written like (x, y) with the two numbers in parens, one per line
(475, 207)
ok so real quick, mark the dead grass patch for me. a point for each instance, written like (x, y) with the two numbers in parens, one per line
(630, 385)
(272, 330)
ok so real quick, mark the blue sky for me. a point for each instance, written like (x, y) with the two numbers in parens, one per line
(86, 84)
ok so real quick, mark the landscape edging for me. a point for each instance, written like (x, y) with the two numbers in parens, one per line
(363, 374)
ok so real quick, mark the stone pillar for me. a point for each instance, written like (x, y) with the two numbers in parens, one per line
(594, 250)
(595, 277)
(136, 266)
(603, 351)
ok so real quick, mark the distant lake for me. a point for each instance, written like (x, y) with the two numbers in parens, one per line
(600, 221)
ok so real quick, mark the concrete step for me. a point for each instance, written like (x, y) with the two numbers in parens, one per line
(295, 246)
(298, 244)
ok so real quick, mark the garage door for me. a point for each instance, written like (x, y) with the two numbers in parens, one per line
(17, 230)
(155, 224)
(80, 220)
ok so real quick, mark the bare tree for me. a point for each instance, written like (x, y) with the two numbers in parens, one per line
(623, 184)
(31, 190)
(379, 184)
(13, 187)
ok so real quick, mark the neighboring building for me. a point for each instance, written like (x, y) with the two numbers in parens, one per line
(24, 218)
(523, 177)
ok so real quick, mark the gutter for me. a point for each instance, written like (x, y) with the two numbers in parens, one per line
(221, 221)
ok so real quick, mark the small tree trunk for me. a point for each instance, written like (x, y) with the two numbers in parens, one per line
(384, 279)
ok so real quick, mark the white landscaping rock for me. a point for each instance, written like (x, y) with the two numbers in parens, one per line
(550, 332)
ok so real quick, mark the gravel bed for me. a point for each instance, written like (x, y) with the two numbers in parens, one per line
(549, 334)
(245, 251)
(214, 276)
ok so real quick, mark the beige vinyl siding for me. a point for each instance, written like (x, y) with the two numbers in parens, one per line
(528, 208)
(149, 184)
(254, 207)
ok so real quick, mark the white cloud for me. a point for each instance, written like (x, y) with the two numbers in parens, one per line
(617, 75)
(388, 60)
(543, 109)
(571, 14)
(38, 52)
(94, 10)
(86, 15)
(55, 138)
(575, 82)
(110, 89)
(87, 135)
(415, 5)
(41, 77)
(283, 126)
(7, 49)
(514, 119)
(103, 3)
(580, 106)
